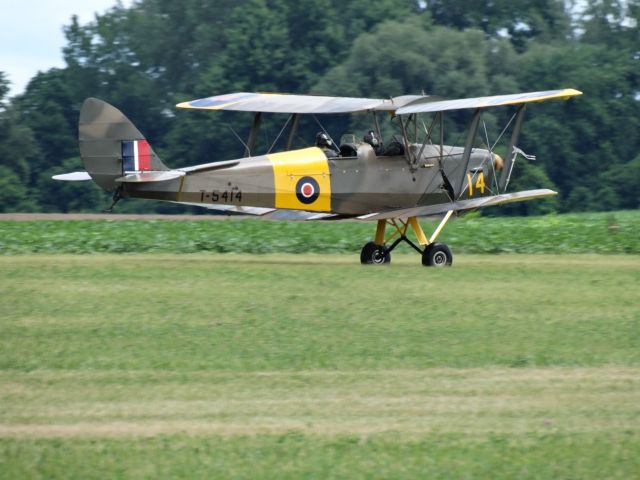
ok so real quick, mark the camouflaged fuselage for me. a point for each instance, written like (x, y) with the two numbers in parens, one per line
(307, 180)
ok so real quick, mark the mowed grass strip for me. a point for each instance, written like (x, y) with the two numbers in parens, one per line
(298, 366)
(294, 455)
(531, 423)
(301, 312)
(411, 402)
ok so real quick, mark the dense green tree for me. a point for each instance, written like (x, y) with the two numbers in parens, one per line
(147, 57)
(439, 61)
(69, 196)
(579, 140)
(624, 180)
(17, 150)
(522, 21)
(4, 90)
(49, 110)
(610, 22)
(14, 195)
(527, 175)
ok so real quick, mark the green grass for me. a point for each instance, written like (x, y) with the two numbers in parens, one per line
(298, 366)
(294, 456)
(615, 232)
(246, 313)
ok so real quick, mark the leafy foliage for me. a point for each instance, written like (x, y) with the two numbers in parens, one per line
(583, 233)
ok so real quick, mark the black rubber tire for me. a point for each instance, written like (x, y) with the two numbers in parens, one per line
(374, 254)
(437, 255)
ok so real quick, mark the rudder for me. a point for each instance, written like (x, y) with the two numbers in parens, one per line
(111, 146)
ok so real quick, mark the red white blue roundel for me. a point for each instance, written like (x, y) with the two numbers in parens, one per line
(307, 190)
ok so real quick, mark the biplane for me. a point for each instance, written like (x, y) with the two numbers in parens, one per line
(420, 176)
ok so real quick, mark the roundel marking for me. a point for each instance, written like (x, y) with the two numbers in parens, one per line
(307, 190)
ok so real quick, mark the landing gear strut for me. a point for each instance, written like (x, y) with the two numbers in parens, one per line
(433, 254)
(117, 196)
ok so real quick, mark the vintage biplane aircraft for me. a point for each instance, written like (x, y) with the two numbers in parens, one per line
(418, 176)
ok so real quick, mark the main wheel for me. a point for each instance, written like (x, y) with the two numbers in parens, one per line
(437, 255)
(374, 254)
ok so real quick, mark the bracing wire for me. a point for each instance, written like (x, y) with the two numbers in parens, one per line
(280, 134)
(323, 129)
(246, 147)
(493, 171)
(503, 130)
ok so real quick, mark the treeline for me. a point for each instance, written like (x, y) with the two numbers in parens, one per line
(146, 58)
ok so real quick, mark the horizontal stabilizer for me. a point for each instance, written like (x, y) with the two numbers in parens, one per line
(210, 166)
(73, 177)
(145, 177)
(461, 205)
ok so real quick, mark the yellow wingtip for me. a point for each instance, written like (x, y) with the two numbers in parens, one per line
(571, 92)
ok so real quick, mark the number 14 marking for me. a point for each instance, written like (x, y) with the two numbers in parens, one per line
(479, 183)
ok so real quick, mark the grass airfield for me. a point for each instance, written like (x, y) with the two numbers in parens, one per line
(289, 366)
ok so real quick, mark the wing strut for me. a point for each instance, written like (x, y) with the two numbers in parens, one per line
(377, 124)
(511, 151)
(445, 181)
(466, 156)
(292, 130)
(407, 151)
(441, 114)
(253, 135)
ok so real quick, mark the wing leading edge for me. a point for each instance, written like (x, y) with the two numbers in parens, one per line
(280, 103)
(461, 205)
(425, 106)
(458, 206)
(285, 103)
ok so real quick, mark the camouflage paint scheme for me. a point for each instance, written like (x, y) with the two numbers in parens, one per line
(306, 184)
(349, 186)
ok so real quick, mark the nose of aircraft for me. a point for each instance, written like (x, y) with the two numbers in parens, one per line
(498, 163)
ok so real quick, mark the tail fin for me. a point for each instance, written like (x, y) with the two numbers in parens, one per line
(111, 146)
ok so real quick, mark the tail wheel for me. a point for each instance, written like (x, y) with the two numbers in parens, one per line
(437, 255)
(374, 254)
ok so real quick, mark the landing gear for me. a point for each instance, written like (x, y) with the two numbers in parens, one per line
(437, 255)
(373, 254)
(117, 196)
(433, 254)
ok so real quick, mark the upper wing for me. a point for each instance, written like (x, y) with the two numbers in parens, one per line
(284, 103)
(461, 205)
(423, 105)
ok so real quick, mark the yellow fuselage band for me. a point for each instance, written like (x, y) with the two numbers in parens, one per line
(294, 174)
